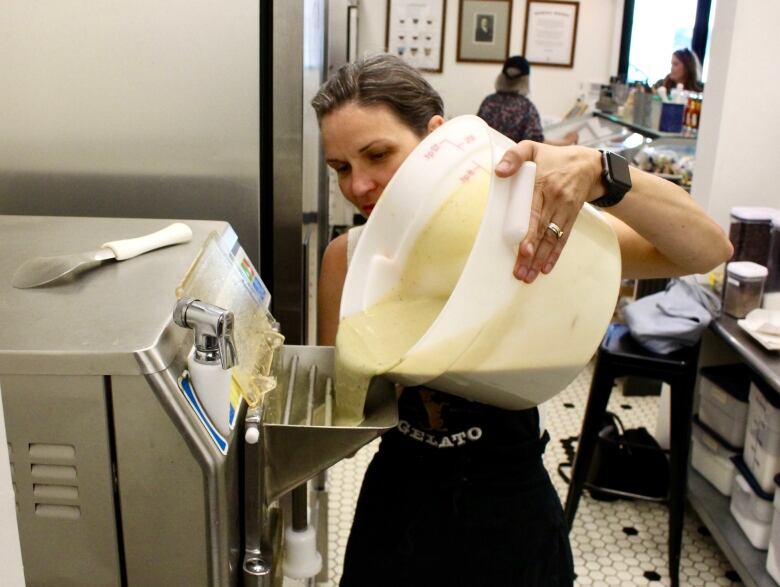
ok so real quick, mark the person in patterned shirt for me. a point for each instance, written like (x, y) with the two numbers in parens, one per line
(510, 112)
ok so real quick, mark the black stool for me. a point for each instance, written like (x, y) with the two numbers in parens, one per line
(620, 355)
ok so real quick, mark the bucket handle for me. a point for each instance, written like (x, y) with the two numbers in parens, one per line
(518, 209)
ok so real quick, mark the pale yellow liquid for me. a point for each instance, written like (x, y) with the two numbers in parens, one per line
(374, 341)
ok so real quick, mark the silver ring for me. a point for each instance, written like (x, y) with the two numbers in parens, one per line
(556, 230)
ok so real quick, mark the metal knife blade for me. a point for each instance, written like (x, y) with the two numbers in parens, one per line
(44, 270)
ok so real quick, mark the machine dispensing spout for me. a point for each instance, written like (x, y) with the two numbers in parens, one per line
(213, 328)
(212, 357)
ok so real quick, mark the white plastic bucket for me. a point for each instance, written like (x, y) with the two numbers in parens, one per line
(496, 340)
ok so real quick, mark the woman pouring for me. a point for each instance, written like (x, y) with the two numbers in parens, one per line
(484, 511)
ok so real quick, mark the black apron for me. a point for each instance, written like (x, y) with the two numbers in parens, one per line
(457, 494)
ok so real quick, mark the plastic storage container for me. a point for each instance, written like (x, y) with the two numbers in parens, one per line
(762, 437)
(711, 457)
(773, 557)
(641, 113)
(723, 405)
(496, 340)
(751, 507)
(749, 232)
(743, 288)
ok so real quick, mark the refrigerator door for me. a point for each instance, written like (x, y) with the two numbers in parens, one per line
(132, 109)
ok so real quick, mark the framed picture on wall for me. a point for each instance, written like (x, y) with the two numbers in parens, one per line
(483, 30)
(415, 32)
(550, 35)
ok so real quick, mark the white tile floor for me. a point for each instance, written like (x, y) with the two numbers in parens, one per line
(614, 543)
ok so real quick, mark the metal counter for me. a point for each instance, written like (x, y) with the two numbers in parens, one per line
(765, 363)
(111, 320)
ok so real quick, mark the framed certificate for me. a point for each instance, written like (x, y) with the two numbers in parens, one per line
(550, 32)
(415, 32)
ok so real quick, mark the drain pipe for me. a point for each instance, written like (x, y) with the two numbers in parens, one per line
(257, 564)
(320, 512)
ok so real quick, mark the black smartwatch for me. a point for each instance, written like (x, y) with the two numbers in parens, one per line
(615, 177)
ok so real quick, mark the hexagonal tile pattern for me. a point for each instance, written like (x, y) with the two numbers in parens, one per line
(614, 543)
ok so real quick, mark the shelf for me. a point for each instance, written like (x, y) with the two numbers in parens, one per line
(765, 363)
(643, 130)
(713, 509)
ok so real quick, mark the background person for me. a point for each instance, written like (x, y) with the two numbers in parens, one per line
(481, 512)
(686, 70)
(510, 112)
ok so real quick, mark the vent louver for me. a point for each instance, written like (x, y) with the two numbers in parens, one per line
(54, 474)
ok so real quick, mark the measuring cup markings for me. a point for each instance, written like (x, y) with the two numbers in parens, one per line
(431, 153)
(457, 350)
(472, 171)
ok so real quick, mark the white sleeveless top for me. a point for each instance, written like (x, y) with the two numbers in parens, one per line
(353, 236)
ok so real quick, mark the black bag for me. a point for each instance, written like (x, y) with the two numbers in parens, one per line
(627, 463)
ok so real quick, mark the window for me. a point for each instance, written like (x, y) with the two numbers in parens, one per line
(705, 65)
(654, 29)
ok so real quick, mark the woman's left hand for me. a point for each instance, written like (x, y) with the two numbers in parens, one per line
(566, 178)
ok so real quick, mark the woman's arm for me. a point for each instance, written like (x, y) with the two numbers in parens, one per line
(332, 275)
(660, 228)
(663, 232)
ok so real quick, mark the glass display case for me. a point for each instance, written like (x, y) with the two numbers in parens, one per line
(670, 155)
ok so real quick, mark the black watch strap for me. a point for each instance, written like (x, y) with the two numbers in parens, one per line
(617, 182)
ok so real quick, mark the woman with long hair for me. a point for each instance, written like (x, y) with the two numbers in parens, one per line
(686, 70)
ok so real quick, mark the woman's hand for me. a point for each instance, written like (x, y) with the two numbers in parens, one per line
(566, 178)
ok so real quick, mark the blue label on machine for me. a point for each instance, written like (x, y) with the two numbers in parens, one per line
(186, 387)
(235, 403)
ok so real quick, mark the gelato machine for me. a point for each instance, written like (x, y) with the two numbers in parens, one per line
(154, 418)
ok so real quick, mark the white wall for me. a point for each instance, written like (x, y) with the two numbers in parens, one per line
(736, 160)
(553, 90)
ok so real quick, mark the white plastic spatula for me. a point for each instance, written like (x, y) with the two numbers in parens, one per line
(45, 270)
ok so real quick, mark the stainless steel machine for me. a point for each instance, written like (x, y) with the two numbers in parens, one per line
(121, 475)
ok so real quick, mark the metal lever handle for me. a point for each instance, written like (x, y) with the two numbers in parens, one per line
(213, 328)
(227, 345)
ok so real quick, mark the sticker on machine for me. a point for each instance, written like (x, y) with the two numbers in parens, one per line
(250, 276)
(189, 393)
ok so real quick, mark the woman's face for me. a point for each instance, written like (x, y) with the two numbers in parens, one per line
(366, 145)
(678, 70)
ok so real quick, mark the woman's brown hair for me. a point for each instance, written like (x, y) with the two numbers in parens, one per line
(385, 80)
(692, 68)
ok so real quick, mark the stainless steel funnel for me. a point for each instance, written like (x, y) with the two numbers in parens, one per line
(295, 451)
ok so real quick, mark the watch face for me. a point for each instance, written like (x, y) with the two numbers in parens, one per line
(619, 169)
